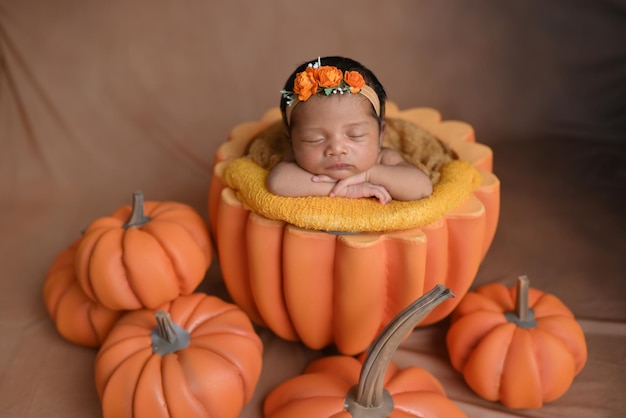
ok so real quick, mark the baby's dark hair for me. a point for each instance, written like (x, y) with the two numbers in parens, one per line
(344, 64)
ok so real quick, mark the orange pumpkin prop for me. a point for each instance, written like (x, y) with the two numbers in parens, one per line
(197, 357)
(332, 387)
(77, 318)
(143, 256)
(323, 289)
(519, 346)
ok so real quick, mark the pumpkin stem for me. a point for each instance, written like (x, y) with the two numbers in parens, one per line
(369, 398)
(137, 217)
(168, 337)
(521, 300)
(523, 316)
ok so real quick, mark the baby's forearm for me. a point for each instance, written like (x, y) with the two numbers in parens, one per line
(403, 182)
(288, 179)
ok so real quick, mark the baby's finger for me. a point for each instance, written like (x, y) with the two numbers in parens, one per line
(381, 194)
(321, 178)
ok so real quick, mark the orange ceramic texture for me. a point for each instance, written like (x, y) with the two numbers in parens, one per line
(214, 376)
(321, 390)
(78, 319)
(520, 366)
(165, 251)
(321, 288)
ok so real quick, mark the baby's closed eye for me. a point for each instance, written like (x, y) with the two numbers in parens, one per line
(312, 140)
(357, 136)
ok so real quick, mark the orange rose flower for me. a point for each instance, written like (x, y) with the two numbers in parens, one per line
(329, 77)
(305, 84)
(355, 80)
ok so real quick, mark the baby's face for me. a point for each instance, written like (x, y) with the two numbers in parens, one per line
(335, 135)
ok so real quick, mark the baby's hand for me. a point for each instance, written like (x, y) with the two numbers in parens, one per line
(341, 186)
(354, 187)
(363, 190)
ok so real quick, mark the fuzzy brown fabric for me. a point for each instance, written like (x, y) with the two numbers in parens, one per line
(418, 146)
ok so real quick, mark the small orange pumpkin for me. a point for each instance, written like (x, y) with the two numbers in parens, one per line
(516, 345)
(77, 318)
(144, 256)
(373, 387)
(198, 356)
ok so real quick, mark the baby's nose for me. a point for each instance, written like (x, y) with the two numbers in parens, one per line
(336, 147)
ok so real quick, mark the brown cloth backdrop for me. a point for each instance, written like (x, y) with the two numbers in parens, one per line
(101, 98)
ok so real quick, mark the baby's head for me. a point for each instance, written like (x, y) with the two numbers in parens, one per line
(307, 84)
(333, 109)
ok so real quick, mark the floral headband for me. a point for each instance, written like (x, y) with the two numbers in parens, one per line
(318, 78)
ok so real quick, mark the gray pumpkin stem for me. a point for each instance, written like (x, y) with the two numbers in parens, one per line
(523, 316)
(369, 399)
(521, 301)
(168, 337)
(137, 217)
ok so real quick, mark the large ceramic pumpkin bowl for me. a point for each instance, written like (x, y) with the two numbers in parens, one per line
(283, 268)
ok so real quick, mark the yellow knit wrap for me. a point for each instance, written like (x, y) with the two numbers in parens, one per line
(458, 179)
